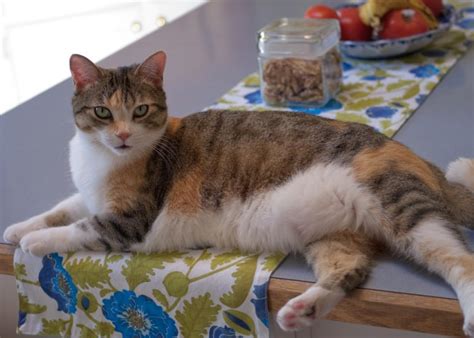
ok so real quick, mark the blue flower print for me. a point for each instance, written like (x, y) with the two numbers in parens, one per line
(222, 332)
(260, 302)
(466, 23)
(57, 283)
(425, 71)
(346, 66)
(380, 111)
(373, 78)
(331, 105)
(138, 316)
(21, 318)
(421, 98)
(254, 97)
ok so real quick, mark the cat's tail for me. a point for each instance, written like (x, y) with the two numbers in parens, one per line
(460, 175)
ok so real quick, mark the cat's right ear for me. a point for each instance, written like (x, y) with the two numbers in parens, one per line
(84, 72)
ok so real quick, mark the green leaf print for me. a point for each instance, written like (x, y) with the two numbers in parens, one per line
(382, 73)
(20, 270)
(140, 266)
(386, 124)
(244, 276)
(104, 292)
(161, 298)
(351, 117)
(104, 329)
(399, 84)
(88, 273)
(87, 302)
(54, 326)
(430, 85)
(351, 86)
(114, 258)
(359, 94)
(271, 262)
(224, 258)
(411, 92)
(86, 332)
(364, 103)
(176, 284)
(27, 307)
(252, 80)
(188, 260)
(197, 316)
(240, 322)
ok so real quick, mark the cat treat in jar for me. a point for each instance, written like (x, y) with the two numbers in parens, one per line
(299, 62)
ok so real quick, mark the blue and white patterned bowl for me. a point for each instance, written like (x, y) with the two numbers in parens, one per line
(387, 48)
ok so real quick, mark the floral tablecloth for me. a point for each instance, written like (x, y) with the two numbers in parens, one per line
(380, 93)
(201, 293)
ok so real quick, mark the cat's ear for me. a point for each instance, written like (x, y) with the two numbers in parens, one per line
(153, 68)
(84, 72)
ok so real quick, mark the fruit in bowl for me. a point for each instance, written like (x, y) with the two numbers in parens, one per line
(387, 28)
(401, 23)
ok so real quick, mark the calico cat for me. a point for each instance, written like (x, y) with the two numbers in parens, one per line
(255, 181)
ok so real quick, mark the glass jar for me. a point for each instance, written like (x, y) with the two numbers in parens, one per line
(299, 62)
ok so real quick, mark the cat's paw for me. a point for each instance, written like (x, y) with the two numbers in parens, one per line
(301, 311)
(39, 243)
(469, 326)
(14, 233)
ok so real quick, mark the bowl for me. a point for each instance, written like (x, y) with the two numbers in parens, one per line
(387, 48)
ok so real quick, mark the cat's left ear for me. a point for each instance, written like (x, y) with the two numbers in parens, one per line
(153, 68)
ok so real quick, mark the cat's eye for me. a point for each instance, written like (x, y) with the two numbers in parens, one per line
(102, 112)
(140, 111)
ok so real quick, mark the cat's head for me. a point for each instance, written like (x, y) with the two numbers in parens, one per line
(122, 109)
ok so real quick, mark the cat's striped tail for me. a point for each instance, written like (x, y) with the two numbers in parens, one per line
(460, 174)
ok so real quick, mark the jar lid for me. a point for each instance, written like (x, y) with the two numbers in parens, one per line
(298, 36)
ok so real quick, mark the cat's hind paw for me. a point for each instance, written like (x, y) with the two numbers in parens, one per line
(469, 327)
(14, 233)
(301, 311)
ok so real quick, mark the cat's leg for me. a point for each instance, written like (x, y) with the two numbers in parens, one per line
(341, 262)
(64, 213)
(437, 245)
(98, 233)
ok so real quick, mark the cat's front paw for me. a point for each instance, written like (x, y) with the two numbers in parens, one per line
(38, 243)
(14, 233)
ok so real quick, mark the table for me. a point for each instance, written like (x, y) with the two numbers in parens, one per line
(209, 50)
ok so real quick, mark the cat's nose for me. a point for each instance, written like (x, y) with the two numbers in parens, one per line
(123, 135)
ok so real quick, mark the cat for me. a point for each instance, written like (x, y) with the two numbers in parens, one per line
(254, 181)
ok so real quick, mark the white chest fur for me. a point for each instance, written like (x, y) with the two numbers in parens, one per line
(90, 166)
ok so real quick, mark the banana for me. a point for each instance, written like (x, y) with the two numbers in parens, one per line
(373, 10)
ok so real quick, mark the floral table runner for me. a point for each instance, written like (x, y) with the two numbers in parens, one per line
(380, 93)
(201, 293)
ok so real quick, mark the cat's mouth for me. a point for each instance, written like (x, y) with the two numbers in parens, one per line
(123, 147)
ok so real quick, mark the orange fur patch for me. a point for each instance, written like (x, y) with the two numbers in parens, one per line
(123, 185)
(173, 124)
(185, 194)
(116, 99)
(371, 162)
(57, 219)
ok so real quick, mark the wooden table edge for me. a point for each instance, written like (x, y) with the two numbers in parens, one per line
(363, 306)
